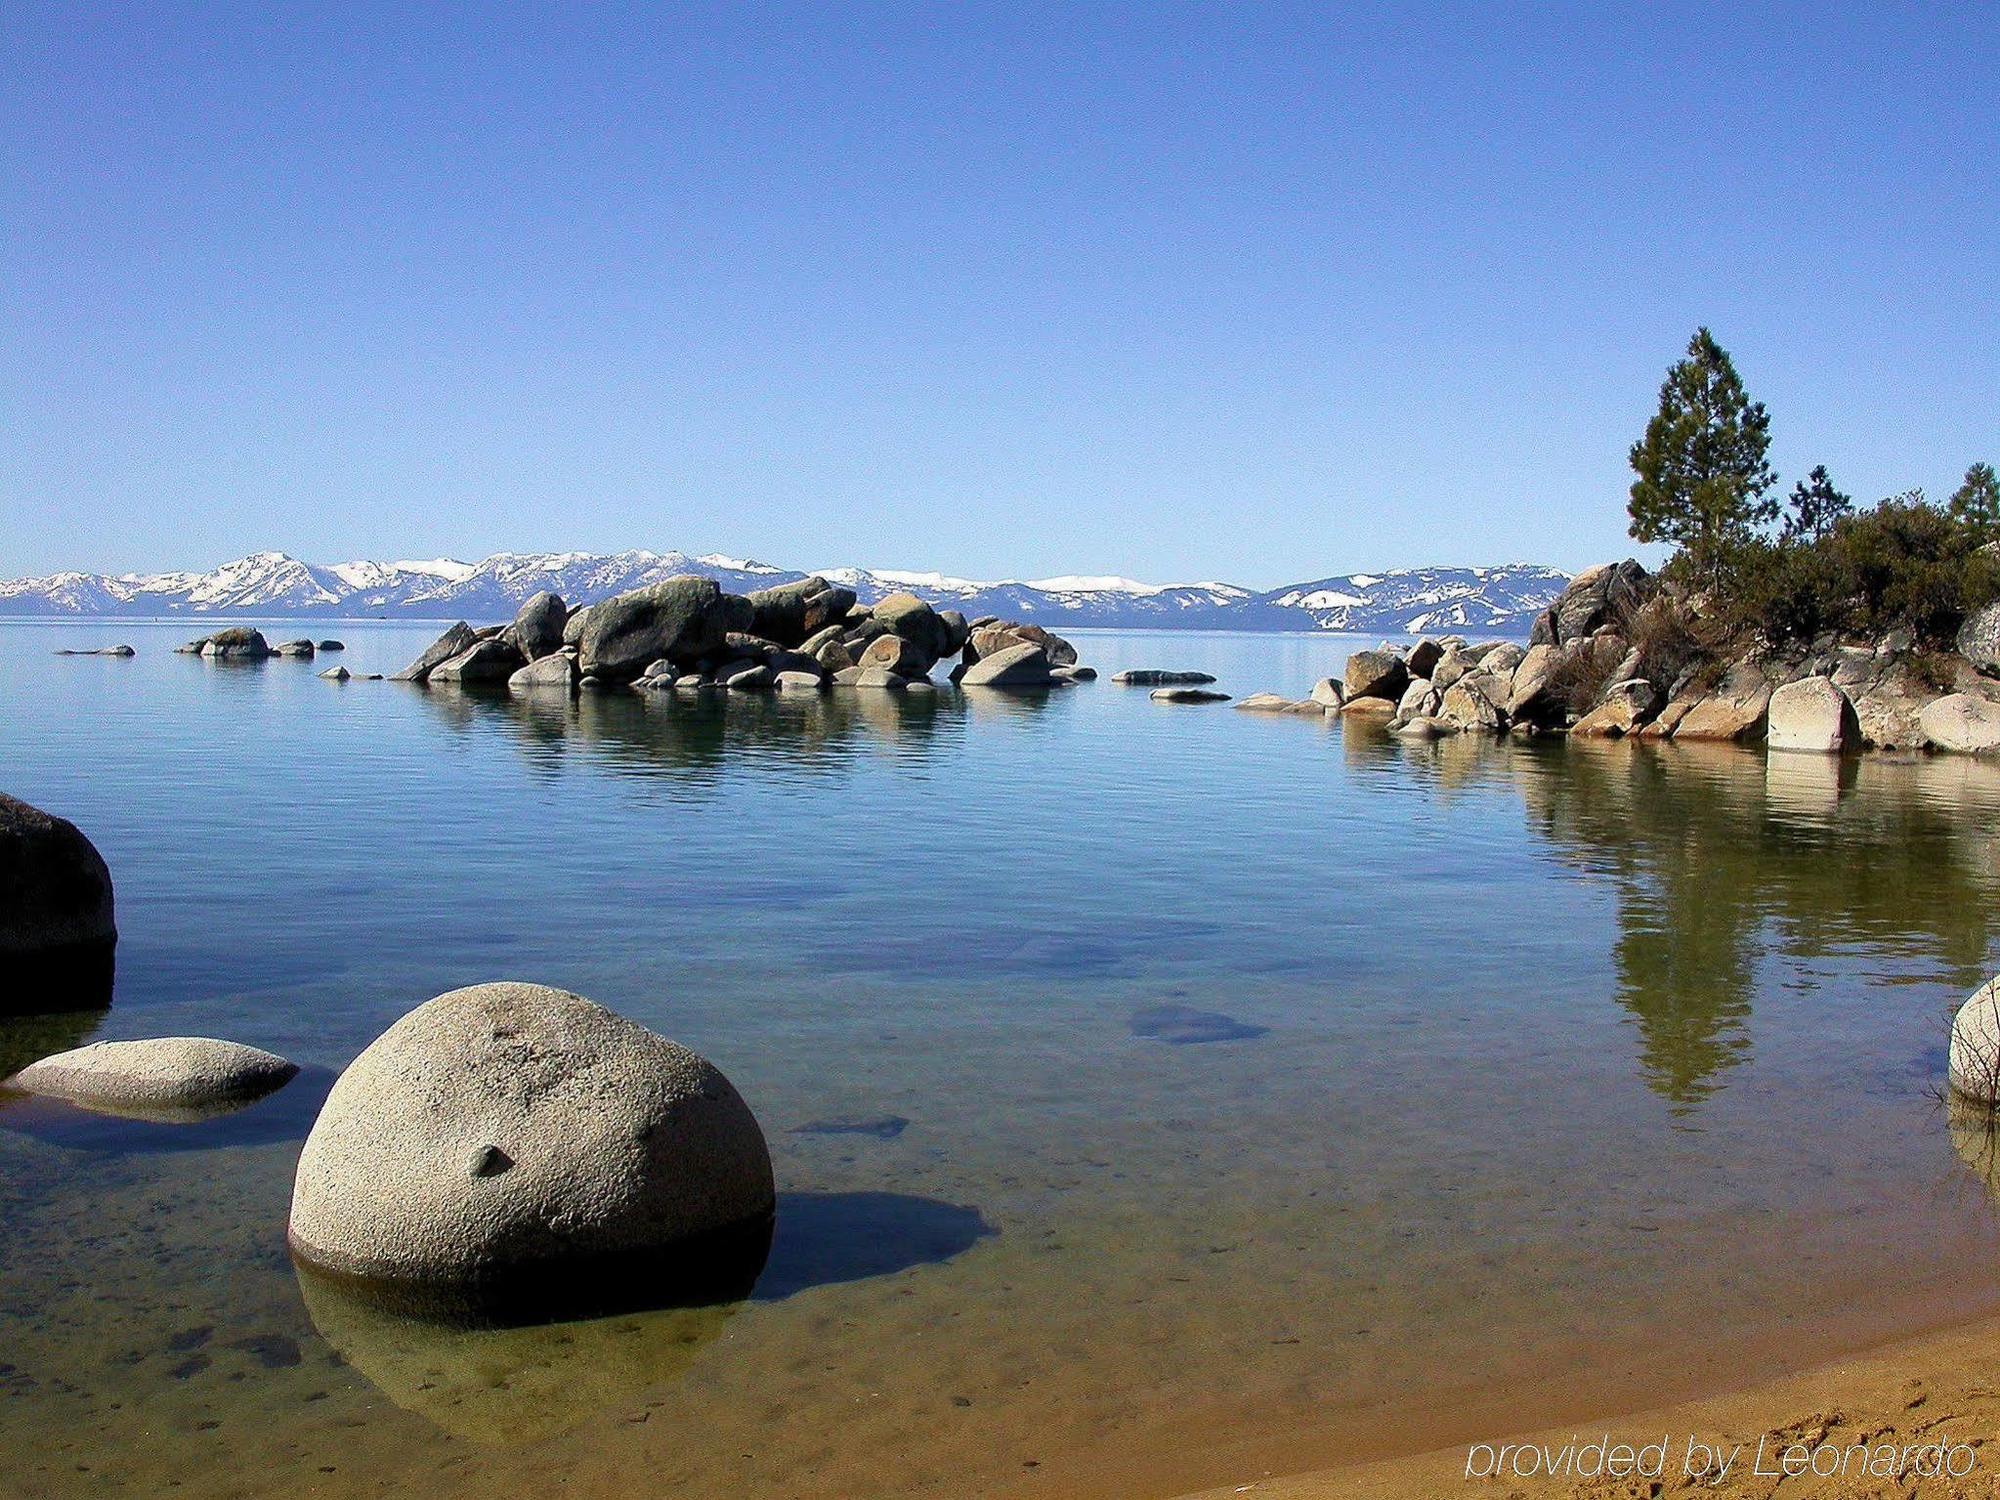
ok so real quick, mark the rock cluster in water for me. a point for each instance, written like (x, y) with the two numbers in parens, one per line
(501, 1133)
(687, 634)
(1581, 675)
(58, 926)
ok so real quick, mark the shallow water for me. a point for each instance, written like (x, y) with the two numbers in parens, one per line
(1267, 1081)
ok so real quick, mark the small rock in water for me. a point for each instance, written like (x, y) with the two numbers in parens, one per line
(1157, 677)
(333, 645)
(336, 674)
(882, 1127)
(158, 1077)
(1183, 1025)
(1188, 695)
(271, 1350)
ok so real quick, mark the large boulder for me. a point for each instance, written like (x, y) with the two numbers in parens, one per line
(1595, 598)
(1025, 665)
(1979, 639)
(1974, 1062)
(537, 630)
(1424, 657)
(1963, 724)
(1375, 674)
(491, 660)
(1476, 701)
(681, 619)
(1327, 692)
(160, 1077)
(239, 643)
(454, 642)
(791, 612)
(898, 654)
(1734, 711)
(1624, 709)
(510, 1133)
(1420, 700)
(553, 672)
(915, 621)
(1811, 714)
(57, 922)
(575, 625)
(1526, 696)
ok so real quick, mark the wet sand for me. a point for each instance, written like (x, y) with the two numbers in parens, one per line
(1939, 1388)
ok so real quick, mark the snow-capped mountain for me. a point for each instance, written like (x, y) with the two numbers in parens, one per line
(1496, 600)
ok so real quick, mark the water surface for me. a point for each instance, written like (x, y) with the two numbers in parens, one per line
(1266, 1085)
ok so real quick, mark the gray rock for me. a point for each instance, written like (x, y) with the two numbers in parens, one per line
(553, 672)
(1963, 724)
(1476, 702)
(300, 650)
(336, 674)
(1454, 664)
(537, 630)
(1979, 639)
(1811, 714)
(682, 619)
(957, 631)
(1263, 703)
(1423, 658)
(333, 645)
(491, 660)
(575, 625)
(1420, 700)
(1499, 657)
(1022, 666)
(106, 651)
(1328, 693)
(158, 1077)
(618, 1143)
(57, 919)
(1595, 598)
(1974, 1059)
(454, 642)
(791, 613)
(1375, 674)
(1073, 674)
(237, 644)
(755, 678)
(985, 640)
(1187, 695)
(1158, 677)
(1734, 711)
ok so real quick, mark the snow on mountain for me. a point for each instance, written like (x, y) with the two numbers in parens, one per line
(1401, 601)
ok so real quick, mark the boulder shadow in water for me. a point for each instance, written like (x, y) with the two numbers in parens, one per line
(76, 976)
(1184, 1026)
(823, 1239)
(284, 1114)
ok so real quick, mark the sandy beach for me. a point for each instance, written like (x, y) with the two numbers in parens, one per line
(1917, 1406)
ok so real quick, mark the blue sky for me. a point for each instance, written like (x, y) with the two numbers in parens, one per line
(1256, 292)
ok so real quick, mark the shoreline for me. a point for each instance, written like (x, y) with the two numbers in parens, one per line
(1935, 1386)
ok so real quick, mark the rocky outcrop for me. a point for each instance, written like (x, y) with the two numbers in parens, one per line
(1963, 724)
(164, 1077)
(58, 924)
(454, 642)
(507, 1133)
(239, 643)
(1600, 597)
(1811, 715)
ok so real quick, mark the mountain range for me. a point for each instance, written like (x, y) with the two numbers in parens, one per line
(1397, 601)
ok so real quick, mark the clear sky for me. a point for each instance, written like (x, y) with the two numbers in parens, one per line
(1257, 292)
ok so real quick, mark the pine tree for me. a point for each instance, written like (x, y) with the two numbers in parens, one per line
(1813, 508)
(1702, 475)
(1976, 503)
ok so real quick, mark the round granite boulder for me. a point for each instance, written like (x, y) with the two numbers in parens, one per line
(505, 1136)
(1974, 1064)
(56, 918)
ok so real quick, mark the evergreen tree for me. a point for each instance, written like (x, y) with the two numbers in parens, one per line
(1976, 503)
(1813, 508)
(1702, 475)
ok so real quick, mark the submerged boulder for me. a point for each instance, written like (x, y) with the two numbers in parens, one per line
(1187, 695)
(504, 1132)
(171, 1074)
(57, 923)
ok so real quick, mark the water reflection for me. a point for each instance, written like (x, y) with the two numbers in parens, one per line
(285, 1114)
(1719, 855)
(506, 1386)
(30, 1038)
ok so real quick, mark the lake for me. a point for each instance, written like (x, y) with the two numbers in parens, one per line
(1209, 1091)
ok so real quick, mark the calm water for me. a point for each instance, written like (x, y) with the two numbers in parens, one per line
(1560, 1074)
